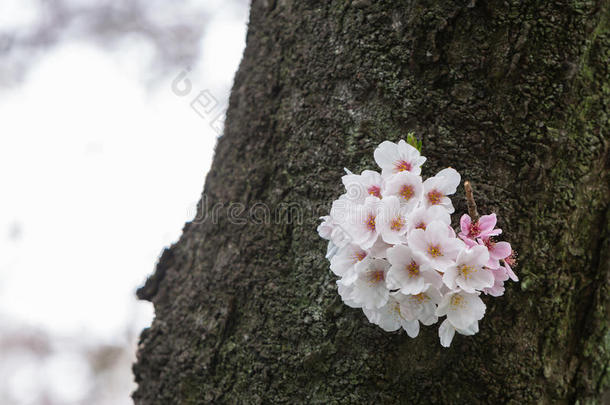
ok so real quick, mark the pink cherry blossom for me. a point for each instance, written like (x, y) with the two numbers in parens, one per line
(500, 276)
(509, 263)
(484, 226)
(497, 251)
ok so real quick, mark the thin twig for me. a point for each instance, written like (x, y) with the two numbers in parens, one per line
(472, 206)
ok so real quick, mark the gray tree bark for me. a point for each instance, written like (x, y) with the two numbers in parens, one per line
(513, 94)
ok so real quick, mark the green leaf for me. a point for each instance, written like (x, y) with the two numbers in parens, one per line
(412, 140)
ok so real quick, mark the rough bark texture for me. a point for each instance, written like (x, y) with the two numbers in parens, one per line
(514, 94)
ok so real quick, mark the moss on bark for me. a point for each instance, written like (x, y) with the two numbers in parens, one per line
(515, 95)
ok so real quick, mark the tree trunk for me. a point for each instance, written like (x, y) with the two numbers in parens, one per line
(513, 94)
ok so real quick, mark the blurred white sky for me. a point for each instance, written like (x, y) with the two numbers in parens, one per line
(98, 173)
(17, 13)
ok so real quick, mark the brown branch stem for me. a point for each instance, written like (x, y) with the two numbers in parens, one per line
(472, 206)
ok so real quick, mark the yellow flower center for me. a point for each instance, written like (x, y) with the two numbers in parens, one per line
(358, 257)
(406, 192)
(434, 197)
(413, 269)
(376, 276)
(457, 301)
(420, 298)
(397, 223)
(370, 223)
(466, 271)
(402, 166)
(434, 251)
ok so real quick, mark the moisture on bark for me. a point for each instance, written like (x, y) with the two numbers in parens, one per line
(513, 94)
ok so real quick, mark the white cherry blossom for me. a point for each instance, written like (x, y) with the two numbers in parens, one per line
(360, 186)
(361, 222)
(436, 245)
(422, 216)
(461, 308)
(410, 272)
(422, 306)
(408, 187)
(392, 220)
(389, 317)
(345, 291)
(446, 331)
(394, 158)
(334, 233)
(469, 272)
(379, 249)
(369, 289)
(437, 188)
(398, 259)
(343, 264)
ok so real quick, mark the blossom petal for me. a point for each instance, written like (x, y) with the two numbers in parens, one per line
(449, 277)
(436, 230)
(386, 154)
(446, 332)
(465, 223)
(501, 250)
(487, 222)
(411, 327)
(417, 240)
(451, 180)
(510, 272)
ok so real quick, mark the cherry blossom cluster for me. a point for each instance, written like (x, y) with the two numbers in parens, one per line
(397, 256)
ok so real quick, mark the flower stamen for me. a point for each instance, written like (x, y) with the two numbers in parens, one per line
(376, 276)
(397, 224)
(421, 297)
(358, 257)
(474, 230)
(466, 271)
(457, 301)
(413, 269)
(434, 251)
(512, 259)
(402, 166)
(435, 197)
(375, 191)
(406, 192)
